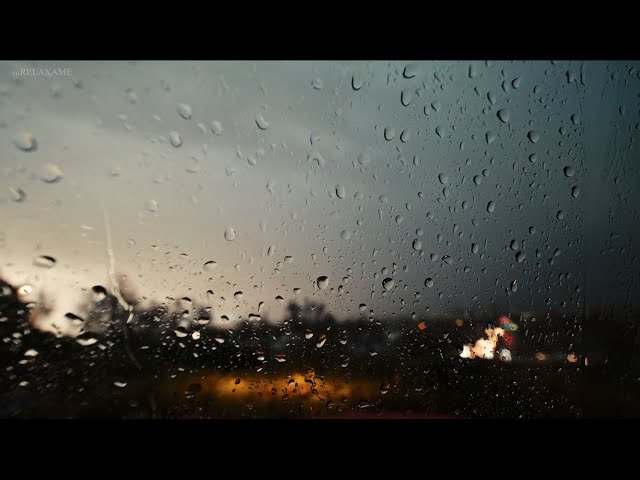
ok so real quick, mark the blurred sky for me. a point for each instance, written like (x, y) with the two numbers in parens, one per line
(416, 150)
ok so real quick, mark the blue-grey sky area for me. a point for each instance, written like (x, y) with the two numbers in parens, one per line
(413, 187)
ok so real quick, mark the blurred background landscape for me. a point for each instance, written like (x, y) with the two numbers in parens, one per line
(319, 239)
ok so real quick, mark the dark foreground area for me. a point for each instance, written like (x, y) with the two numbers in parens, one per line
(159, 366)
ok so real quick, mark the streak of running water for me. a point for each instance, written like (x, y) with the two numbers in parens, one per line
(115, 287)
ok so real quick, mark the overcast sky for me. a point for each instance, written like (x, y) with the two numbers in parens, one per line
(359, 171)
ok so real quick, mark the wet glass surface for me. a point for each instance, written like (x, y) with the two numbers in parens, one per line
(319, 239)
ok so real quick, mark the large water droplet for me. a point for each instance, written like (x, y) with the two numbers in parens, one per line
(410, 70)
(504, 114)
(356, 82)
(388, 283)
(491, 206)
(322, 282)
(569, 171)
(210, 266)
(341, 191)
(417, 245)
(428, 282)
(533, 136)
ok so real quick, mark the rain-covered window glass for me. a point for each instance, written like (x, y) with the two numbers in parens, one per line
(319, 239)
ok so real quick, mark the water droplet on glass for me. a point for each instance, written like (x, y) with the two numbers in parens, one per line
(345, 234)
(474, 248)
(514, 286)
(575, 192)
(428, 282)
(210, 266)
(504, 114)
(151, 205)
(405, 97)
(443, 178)
(44, 261)
(417, 245)
(180, 332)
(321, 340)
(317, 84)
(261, 122)
(388, 283)
(184, 111)
(389, 133)
(491, 206)
(230, 234)
(356, 82)
(341, 191)
(520, 257)
(25, 141)
(51, 173)
(17, 195)
(569, 171)
(323, 282)
(533, 136)
(216, 128)
(410, 70)
(175, 139)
